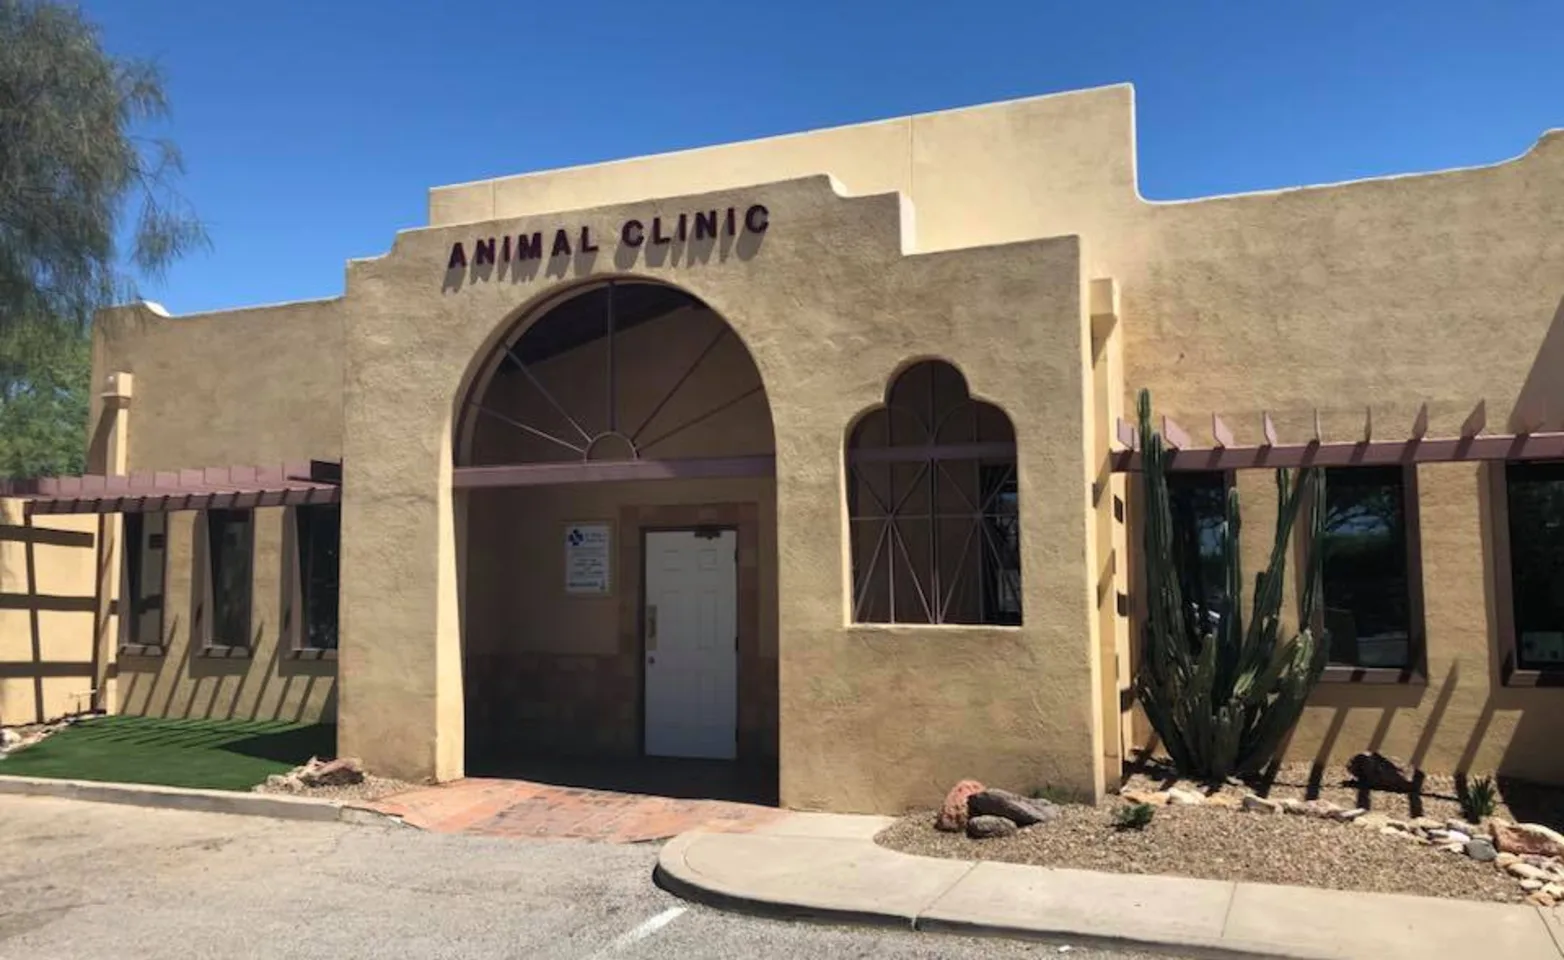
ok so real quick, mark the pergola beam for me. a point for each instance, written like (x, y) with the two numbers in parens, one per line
(1471, 446)
(611, 471)
(1535, 446)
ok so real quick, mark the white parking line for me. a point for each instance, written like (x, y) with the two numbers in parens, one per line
(641, 932)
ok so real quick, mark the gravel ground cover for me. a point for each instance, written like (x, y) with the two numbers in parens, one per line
(370, 788)
(1217, 841)
(1218, 844)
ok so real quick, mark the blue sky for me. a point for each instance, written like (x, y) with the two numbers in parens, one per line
(312, 130)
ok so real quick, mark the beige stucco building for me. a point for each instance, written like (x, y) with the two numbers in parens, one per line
(800, 453)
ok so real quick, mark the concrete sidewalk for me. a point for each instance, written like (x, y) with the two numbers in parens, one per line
(828, 867)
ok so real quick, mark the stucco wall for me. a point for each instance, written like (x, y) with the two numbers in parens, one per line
(253, 387)
(1446, 289)
(248, 387)
(829, 308)
(47, 614)
(1037, 167)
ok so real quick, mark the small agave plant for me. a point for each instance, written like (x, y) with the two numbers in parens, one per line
(1222, 694)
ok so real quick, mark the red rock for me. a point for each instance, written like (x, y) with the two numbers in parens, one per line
(1526, 839)
(953, 813)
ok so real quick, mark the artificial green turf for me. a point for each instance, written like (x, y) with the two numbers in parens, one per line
(209, 754)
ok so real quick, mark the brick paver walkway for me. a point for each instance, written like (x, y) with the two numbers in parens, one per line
(520, 808)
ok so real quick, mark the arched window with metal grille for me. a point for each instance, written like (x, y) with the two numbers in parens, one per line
(933, 506)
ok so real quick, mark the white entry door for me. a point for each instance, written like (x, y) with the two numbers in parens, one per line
(691, 630)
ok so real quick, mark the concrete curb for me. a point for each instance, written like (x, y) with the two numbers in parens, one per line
(674, 875)
(201, 801)
(847, 879)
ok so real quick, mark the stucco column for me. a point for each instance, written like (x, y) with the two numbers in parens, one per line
(399, 666)
(108, 455)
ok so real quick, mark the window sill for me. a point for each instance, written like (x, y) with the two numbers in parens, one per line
(1534, 678)
(1374, 675)
(139, 650)
(312, 653)
(219, 652)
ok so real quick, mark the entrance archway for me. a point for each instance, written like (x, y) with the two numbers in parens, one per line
(615, 475)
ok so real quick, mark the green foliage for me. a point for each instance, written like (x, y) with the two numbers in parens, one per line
(1222, 694)
(1479, 799)
(1134, 816)
(74, 176)
(44, 374)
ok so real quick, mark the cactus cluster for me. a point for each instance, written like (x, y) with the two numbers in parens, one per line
(1221, 694)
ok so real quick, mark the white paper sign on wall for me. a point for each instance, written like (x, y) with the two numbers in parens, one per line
(587, 558)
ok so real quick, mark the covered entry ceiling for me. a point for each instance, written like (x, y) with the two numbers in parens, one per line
(587, 317)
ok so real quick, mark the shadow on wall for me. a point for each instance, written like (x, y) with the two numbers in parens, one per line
(279, 686)
(47, 662)
(268, 681)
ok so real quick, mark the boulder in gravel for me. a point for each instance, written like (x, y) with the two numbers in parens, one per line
(1347, 816)
(1481, 850)
(1154, 798)
(9, 738)
(1258, 804)
(953, 812)
(1379, 772)
(1504, 859)
(1012, 806)
(1462, 826)
(1527, 838)
(1540, 898)
(332, 773)
(1185, 798)
(1529, 884)
(983, 827)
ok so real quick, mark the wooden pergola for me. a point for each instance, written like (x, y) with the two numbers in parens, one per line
(288, 484)
(1224, 453)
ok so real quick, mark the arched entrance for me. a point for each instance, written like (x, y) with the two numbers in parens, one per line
(615, 482)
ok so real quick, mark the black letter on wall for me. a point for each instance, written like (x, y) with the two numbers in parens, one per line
(458, 256)
(705, 225)
(757, 219)
(482, 252)
(529, 246)
(561, 244)
(632, 234)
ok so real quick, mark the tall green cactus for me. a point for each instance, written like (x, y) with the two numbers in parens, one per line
(1223, 697)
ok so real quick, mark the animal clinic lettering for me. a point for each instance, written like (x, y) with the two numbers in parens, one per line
(685, 227)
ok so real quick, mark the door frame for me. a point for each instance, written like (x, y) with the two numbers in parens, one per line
(738, 612)
(742, 517)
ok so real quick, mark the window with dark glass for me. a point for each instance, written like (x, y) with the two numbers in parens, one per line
(1535, 496)
(229, 541)
(1197, 501)
(142, 592)
(320, 533)
(1002, 564)
(932, 505)
(1367, 576)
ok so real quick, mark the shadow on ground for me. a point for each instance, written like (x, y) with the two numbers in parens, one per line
(654, 776)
